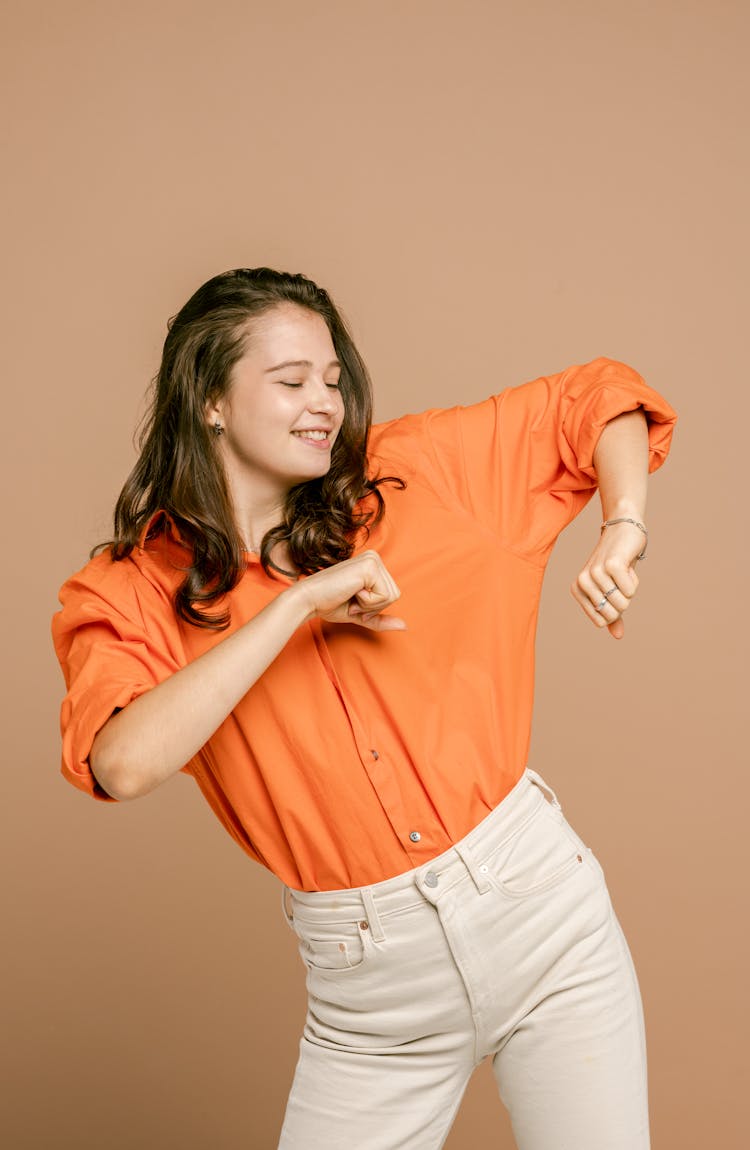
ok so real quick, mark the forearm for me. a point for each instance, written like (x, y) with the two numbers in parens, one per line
(621, 465)
(160, 731)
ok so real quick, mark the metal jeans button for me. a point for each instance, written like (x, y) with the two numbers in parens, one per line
(430, 879)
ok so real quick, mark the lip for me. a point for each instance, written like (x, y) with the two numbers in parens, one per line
(321, 444)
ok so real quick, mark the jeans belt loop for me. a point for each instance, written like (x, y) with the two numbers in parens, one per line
(373, 918)
(481, 882)
(545, 788)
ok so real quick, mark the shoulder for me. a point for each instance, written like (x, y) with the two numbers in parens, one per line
(121, 580)
(124, 592)
(102, 577)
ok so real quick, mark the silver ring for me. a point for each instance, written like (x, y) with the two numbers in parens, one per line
(599, 606)
(611, 591)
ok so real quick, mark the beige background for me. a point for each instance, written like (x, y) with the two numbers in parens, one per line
(492, 191)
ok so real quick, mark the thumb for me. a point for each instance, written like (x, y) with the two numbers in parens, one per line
(377, 622)
(617, 629)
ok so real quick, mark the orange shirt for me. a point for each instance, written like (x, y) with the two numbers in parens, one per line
(358, 755)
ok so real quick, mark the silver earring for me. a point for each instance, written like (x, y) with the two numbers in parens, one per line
(218, 429)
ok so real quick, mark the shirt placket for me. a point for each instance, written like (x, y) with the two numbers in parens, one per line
(412, 833)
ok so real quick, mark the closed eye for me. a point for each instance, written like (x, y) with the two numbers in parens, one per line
(290, 383)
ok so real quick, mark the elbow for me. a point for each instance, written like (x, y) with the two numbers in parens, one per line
(115, 776)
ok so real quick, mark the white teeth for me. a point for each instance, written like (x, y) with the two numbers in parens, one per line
(312, 434)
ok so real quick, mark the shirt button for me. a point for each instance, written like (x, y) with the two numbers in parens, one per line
(430, 879)
(415, 836)
(375, 754)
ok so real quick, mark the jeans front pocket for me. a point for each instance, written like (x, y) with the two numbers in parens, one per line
(539, 857)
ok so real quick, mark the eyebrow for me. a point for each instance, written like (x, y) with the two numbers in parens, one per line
(299, 363)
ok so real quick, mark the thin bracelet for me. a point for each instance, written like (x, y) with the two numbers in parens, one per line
(611, 522)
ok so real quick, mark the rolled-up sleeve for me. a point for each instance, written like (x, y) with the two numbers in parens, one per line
(592, 395)
(109, 652)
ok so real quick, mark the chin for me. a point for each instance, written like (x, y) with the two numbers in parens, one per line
(310, 476)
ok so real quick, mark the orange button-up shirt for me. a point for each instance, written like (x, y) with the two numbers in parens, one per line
(358, 755)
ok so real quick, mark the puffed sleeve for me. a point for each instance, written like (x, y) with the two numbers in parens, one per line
(114, 640)
(521, 462)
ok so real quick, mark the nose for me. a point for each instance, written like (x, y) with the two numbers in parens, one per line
(322, 398)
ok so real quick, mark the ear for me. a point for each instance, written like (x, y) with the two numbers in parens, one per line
(214, 414)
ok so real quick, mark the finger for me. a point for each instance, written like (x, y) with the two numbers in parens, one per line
(374, 621)
(604, 610)
(615, 571)
(588, 609)
(617, 582)
(592, 599)
(623, 574)
(372, 599)
(380, 579)
(610, 591)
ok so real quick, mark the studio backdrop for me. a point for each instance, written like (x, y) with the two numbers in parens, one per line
(491, 191)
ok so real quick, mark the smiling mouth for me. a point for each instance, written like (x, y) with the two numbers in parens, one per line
(315, 436)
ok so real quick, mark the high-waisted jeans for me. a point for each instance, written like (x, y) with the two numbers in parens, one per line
(504, 947)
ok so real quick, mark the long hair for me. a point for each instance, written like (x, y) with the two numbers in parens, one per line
(179, 471)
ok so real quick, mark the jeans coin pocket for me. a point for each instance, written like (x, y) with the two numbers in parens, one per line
(338, 947)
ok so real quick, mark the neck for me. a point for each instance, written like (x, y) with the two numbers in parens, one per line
(255, 516)
(253, 529)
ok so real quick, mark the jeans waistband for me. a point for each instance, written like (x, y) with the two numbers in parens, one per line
(413, 886)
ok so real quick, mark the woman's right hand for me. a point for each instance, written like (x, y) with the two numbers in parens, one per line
(356, 590)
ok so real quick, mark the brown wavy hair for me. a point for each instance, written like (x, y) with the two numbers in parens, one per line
(179, 472)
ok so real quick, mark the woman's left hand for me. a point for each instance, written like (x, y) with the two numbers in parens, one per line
(606, 585)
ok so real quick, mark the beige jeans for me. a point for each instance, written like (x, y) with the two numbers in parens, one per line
(505, 947)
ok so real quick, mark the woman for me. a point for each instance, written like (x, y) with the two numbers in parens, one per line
(239, 628)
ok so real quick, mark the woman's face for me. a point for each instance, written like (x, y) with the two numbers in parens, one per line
(283, 409)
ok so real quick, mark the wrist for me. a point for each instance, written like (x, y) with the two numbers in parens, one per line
(628, 521)
(298, 603)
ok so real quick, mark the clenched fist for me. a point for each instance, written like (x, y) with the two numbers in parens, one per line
(357, 591)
